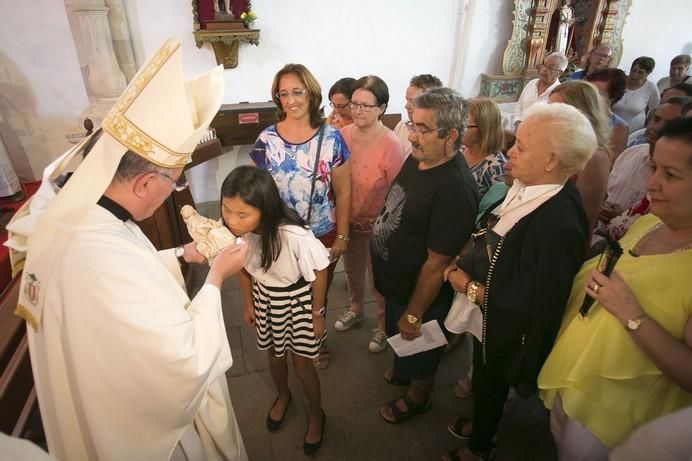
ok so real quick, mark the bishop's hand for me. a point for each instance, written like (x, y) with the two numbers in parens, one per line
(228, 262)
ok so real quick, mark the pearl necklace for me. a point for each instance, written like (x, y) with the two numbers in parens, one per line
(641, 237)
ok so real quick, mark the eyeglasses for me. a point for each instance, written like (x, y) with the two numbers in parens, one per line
(296, 93)
(552, 69)
(179, 184)
(420, 130)
(601, 55)
(339, 106)
(364, 107)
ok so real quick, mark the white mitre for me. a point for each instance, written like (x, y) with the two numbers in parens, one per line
(159, 116)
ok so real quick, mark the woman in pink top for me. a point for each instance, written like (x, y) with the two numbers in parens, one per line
(376, 158)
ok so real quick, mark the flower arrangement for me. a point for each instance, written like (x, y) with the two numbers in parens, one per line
(248, 17)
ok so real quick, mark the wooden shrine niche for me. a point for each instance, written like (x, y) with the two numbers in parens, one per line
(535, 27)
(224, 24)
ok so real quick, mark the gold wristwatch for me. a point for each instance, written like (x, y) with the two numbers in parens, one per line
(633, 324)
(412, 319)
(472, 291)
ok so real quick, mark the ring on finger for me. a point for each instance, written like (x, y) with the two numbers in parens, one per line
(596, 287)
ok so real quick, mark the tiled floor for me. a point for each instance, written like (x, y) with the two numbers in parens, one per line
(353, 390)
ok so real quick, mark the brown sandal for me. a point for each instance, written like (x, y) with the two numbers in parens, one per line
(322, 360)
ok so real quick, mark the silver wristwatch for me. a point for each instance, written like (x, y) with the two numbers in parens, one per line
(179, 252)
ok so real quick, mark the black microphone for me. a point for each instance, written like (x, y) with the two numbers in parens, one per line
(606, 264)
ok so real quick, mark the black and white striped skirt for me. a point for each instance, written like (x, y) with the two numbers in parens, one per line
(283, 319)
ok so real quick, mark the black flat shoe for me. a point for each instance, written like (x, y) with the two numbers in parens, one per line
(311, 448)
(272, 424)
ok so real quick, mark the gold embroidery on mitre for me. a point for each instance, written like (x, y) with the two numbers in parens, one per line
(32, 288)
(127, 133)
(24, 313)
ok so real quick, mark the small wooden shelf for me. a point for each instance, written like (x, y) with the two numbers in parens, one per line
(226, 42)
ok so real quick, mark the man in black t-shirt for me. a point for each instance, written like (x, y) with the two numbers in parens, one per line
(428, 215)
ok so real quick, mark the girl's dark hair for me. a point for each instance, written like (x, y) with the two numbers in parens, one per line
(311, 85)
(342, 86)
(257, 188)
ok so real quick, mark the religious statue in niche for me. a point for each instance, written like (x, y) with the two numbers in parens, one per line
(220, 14)
(223, 9)
(224, 25)
(561, 33)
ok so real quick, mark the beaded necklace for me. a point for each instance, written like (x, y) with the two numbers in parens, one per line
(641, 237)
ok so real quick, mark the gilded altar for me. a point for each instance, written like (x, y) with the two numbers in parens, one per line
(596, 21)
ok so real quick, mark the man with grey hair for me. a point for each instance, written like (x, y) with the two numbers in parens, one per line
(538, 90)
(417, 85)
(428, 214)
(599, 58)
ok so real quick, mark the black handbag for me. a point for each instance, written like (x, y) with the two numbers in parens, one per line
(478, 251)
(314, 173)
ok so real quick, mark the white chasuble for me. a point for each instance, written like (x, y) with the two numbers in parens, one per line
(124, 361)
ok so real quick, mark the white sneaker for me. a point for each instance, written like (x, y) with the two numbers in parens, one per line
(347, 320)
(378, 343)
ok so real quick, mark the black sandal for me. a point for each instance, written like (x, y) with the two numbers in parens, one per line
(413, 409)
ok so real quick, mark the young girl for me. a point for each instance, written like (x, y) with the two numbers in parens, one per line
(283, 285)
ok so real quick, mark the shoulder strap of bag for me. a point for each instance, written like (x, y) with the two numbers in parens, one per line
(314, 172)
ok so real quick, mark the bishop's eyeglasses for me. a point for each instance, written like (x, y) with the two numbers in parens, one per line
(179, 184)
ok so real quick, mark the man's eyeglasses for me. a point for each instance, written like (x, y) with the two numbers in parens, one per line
(420, 130)
(296, 94)
(339, 106)
(179, 184)
(552, 69)
(601, 55)
(364, 107)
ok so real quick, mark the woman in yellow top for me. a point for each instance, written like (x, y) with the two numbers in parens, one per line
(629, 360)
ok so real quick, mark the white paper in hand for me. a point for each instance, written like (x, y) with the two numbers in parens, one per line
(431, 337)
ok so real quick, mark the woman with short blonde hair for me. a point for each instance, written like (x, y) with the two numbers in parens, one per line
(482, 143)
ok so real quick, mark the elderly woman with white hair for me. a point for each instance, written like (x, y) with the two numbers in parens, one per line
(519, 265)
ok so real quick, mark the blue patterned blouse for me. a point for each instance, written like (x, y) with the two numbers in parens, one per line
(292, 167)
(489, 171)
